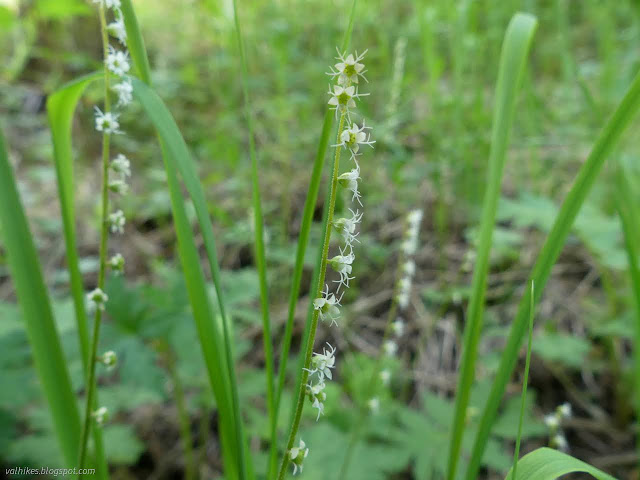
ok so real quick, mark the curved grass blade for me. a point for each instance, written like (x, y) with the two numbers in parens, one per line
(258, 230)
(36, 308)
(141, 61)
(301, 249)
(548, 464)
(554, 243)
(515, 48)
(61, 106)
(630, 219)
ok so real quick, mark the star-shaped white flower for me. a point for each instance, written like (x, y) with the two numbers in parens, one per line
(347, 227)
(117, 29)
(322, 363)
(349, 180)
(121, 165)
(124, 89)
(317, 396)
(97, 299)
(353, 136)
(349, 68)
(327, 306)
(342, 264)
(107, 122)
(116, 221)
(117, 62)
(297, 456)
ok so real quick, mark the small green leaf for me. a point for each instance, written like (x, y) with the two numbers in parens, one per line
(549, 464)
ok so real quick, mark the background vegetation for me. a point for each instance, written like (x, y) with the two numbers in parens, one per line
(432, 72)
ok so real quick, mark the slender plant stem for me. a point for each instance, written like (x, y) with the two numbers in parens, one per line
(104, 235)
(318, 293)
(525, 381)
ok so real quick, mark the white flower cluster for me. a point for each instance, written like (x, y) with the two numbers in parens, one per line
(408, 249)
(554, 422)
(347, 71)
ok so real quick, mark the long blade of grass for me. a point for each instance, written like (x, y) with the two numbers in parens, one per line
(548, 464)
(301, 249)
(61, 106)
(36, 308)
(176, 153)
(525, 382)
(630, 218)
(554, 243)
(515, 49)
(258, 231)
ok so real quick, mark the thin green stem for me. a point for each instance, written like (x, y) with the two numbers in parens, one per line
(525, 381)
(318, 293)
(260, 256)
(104, 234)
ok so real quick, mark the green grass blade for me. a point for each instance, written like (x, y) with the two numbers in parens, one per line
(630, 218)
(175, 153)
(525, 381)
(303, 238)
(61, 106)
(515, 49)
(36, 308)
(548, 255)
(215, 341)
(548, 464)
(135, 42)
(258, 231)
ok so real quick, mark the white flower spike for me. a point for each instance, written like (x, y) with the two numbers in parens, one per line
(107, 122)
(297, 456)
(327, 306)
(117, 61)
(124, 89)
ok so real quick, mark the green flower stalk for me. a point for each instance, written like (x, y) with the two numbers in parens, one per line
(318, 366)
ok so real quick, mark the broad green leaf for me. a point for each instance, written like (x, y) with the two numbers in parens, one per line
(122, 445)
(515, 48)
(568, 350)
(549, 464)
(38, 317)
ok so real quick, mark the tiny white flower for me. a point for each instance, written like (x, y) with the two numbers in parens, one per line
(109, 359)
(322, 363)
(97, 298)
(327, 306)
(551, 420)
(343, 98)
(317, 396)
(124, 89)
(390, 348)
(354, 136)
(414, 217)
(565, 410)
(116, 263)
(349, 68)
(349, 180)
(100, 415)
(404, 291)
(342, 264)
(121, 165)
(385, 376)
(107, 122)
(297, 456)
(560, 442)
(409, 246)
(117, 62)
(347, 227)
(409, 268)
(118, 186)
(403, 299)
(117, 29)
(116, 221)
(398, 327)
(374, 404)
